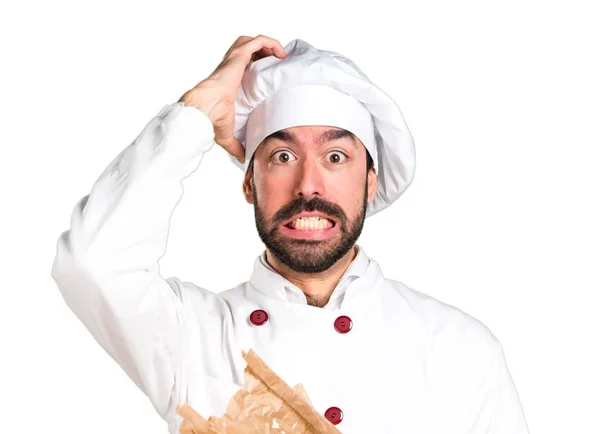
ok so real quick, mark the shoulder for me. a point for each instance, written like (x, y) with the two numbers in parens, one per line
(458, 349)
(447, 328)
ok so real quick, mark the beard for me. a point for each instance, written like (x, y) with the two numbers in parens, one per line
(309, 256)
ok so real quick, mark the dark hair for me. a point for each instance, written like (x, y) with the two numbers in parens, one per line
(369, 162)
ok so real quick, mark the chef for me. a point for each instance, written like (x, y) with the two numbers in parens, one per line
(321, 149)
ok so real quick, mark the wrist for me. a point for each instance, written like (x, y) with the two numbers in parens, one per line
(195, 98)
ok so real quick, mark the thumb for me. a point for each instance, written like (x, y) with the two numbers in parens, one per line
(233, 146)
(225, 137)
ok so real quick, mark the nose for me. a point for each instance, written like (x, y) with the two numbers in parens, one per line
(310, 179)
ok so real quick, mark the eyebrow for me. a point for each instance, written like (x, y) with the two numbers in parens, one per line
(327, 136)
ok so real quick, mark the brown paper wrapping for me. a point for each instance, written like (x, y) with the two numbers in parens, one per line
(265, 404)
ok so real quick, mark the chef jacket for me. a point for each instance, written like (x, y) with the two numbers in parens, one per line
(380, 357)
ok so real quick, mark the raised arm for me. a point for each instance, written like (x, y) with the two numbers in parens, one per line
(107, 263)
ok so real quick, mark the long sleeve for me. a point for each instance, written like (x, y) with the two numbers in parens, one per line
(106, 265)
(499, 408)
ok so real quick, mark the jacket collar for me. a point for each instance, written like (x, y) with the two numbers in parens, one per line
(272, 284)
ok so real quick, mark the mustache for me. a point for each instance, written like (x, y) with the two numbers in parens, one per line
(315, 204)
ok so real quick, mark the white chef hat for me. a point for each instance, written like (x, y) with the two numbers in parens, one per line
(317, 87)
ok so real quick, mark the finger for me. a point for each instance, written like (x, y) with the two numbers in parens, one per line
(239, 41)
(263, 52)
(261, 42)
(247, 52)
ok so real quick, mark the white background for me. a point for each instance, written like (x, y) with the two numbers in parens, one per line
(501, 221)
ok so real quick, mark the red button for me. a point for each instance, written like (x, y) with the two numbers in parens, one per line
(343, 324)
(259, 317)
(334, 415)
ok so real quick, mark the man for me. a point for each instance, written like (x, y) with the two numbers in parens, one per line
(322, 148)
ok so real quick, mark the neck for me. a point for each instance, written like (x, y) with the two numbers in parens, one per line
(317, 287)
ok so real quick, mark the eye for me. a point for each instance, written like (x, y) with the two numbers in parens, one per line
(281, 157)
(336, 157)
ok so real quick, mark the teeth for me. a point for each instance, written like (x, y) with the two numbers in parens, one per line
(311, 224)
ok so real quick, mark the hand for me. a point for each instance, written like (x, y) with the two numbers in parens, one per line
(215, 96)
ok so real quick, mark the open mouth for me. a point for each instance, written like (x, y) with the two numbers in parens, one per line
(310, 228)
(311, 224)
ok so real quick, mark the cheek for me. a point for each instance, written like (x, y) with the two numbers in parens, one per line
(348, 193)
(272, 196)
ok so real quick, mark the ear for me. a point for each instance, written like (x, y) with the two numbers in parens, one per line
(247, 186)
(371, 185)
